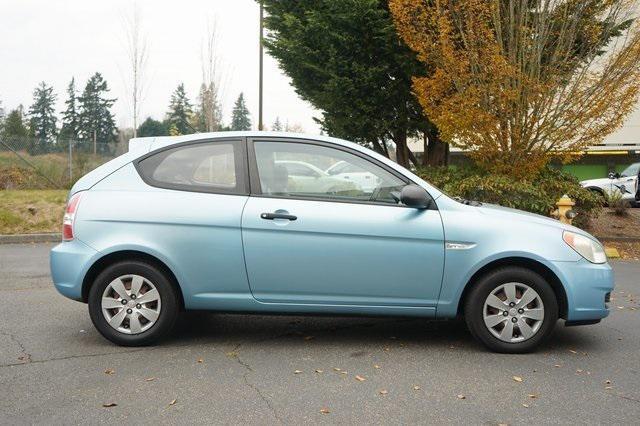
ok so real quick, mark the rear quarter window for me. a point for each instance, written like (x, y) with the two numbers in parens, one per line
(216, 167)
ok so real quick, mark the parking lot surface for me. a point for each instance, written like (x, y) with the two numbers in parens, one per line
(231, 369)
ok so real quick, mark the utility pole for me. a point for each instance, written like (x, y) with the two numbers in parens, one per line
(260, 125)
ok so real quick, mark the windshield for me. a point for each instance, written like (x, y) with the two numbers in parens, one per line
(632, 170)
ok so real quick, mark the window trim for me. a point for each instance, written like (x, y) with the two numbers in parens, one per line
(256, 189)
(239, 158)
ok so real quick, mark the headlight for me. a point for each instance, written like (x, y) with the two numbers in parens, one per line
(586, 247)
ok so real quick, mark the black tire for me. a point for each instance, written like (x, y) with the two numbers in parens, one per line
(474, 305)
(168, 312)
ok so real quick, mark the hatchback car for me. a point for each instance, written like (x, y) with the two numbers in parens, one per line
(215, 222)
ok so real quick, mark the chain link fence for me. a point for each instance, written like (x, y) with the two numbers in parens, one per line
(30, 163)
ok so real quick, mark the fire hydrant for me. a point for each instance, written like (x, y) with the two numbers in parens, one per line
(564, 211)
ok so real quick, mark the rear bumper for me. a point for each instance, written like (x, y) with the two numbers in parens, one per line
(69, 262)
(587, 286)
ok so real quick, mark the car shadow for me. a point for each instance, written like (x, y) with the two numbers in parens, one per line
(235, 329)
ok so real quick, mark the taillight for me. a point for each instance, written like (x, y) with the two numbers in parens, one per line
(69, 217)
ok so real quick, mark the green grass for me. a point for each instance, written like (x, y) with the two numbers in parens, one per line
(31, 210)
(51, 170)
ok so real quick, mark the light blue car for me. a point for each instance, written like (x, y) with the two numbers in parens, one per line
(215, 222)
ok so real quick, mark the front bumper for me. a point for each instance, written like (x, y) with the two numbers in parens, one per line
(69, 262)
(586, 285)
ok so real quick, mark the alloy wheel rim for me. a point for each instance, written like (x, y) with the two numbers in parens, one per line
(513, 312)
(131, 304)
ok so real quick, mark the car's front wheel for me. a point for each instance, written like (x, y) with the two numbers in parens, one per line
(133, 303)
(511, 310)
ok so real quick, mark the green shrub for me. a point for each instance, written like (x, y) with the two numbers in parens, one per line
(616, 202)
(537, 195)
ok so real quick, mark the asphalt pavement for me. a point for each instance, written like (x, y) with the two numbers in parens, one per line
(241, 369)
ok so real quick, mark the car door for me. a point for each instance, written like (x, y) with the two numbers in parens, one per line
(342, 247)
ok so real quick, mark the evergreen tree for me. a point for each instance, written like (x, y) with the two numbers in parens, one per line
(42, 123)
(14, 127)
(180, 112)
(1, 116)
(345, 58)
(240, 119)
(151, 127)
(96, 120)
(70, 117)
(277, 125)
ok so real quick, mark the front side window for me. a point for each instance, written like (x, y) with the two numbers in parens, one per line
(302, 170)
(208, 167)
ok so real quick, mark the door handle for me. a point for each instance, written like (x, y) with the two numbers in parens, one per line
(271, 216)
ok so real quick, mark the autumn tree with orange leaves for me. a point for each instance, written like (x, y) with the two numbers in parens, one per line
(517, 82)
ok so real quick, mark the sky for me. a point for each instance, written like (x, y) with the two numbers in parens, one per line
(53, 41)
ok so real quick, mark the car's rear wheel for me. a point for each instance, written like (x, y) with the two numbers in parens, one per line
(511, 310)
(133, 303)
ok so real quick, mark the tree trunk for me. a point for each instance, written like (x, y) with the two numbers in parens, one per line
(379, 148)
(436, 151)
(402, 151)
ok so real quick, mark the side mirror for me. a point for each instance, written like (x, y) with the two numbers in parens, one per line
(611, 175)
(415, 196)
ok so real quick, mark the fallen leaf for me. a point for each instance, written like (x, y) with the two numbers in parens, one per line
(525, 405)
(109, 371)
(297, 372)
(200, 361)
(517, 379)
(376, 366)
(386, 349)
(532, 396)
(607, 382)
(579, 370)
(462, 397)
(336, 369)
(173, 402)
(343, 372)
(416, 387)
(383, 391)
(572, 351)
(109, 405)
(608, 387)
(149, 379)
(232, 354)
(325, 410)
(557, 366)
(319, 371)
(360, 378)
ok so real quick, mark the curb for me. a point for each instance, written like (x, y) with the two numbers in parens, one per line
(30, 238)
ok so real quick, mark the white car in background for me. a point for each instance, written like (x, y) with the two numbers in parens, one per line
(365, 180)
(306, 178)
(625, 182)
